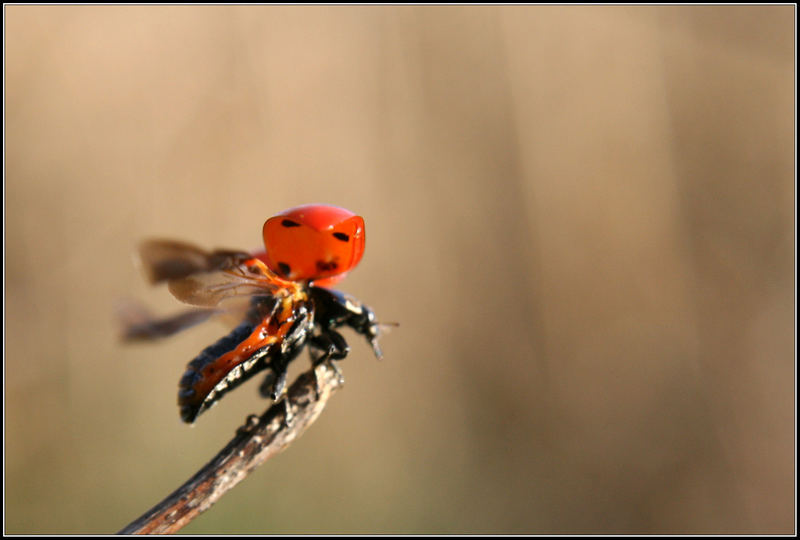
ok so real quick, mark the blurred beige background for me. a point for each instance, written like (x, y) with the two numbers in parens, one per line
(582, 217)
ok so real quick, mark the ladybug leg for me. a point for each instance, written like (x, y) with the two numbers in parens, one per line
(370, 328)
(332, 344)
(272, 387)
(280, 383)
(333, 347)
(288, 417)
(265, 389)
(364, 321)
(317, 389)
(275, 381)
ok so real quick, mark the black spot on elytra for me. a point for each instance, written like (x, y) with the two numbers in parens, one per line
(327, 266)
(341, 236)
(289, 223)
(284, 268)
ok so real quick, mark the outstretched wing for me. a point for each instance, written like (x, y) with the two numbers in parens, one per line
(205, 278)
(139, 324)
(164, 260)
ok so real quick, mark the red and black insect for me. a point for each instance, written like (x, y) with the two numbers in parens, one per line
(289, 305)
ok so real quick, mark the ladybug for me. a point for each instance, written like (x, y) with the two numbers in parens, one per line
(288, 306)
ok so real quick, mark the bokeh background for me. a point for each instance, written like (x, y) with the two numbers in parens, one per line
(582, 217)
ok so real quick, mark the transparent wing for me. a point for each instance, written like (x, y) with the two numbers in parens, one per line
(139, 324)
(163, 260)
(208, 289)
(205, 278)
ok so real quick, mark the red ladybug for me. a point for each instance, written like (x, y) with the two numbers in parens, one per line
(289, 306)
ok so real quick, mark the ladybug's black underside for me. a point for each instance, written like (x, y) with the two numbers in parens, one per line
(314, 322)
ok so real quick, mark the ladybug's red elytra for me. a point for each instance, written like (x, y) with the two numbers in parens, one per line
(289, 306)
(313, 242)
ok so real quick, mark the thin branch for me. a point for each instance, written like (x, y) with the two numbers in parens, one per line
(255, 442)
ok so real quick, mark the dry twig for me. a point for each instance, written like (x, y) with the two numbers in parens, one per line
(255, 442)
